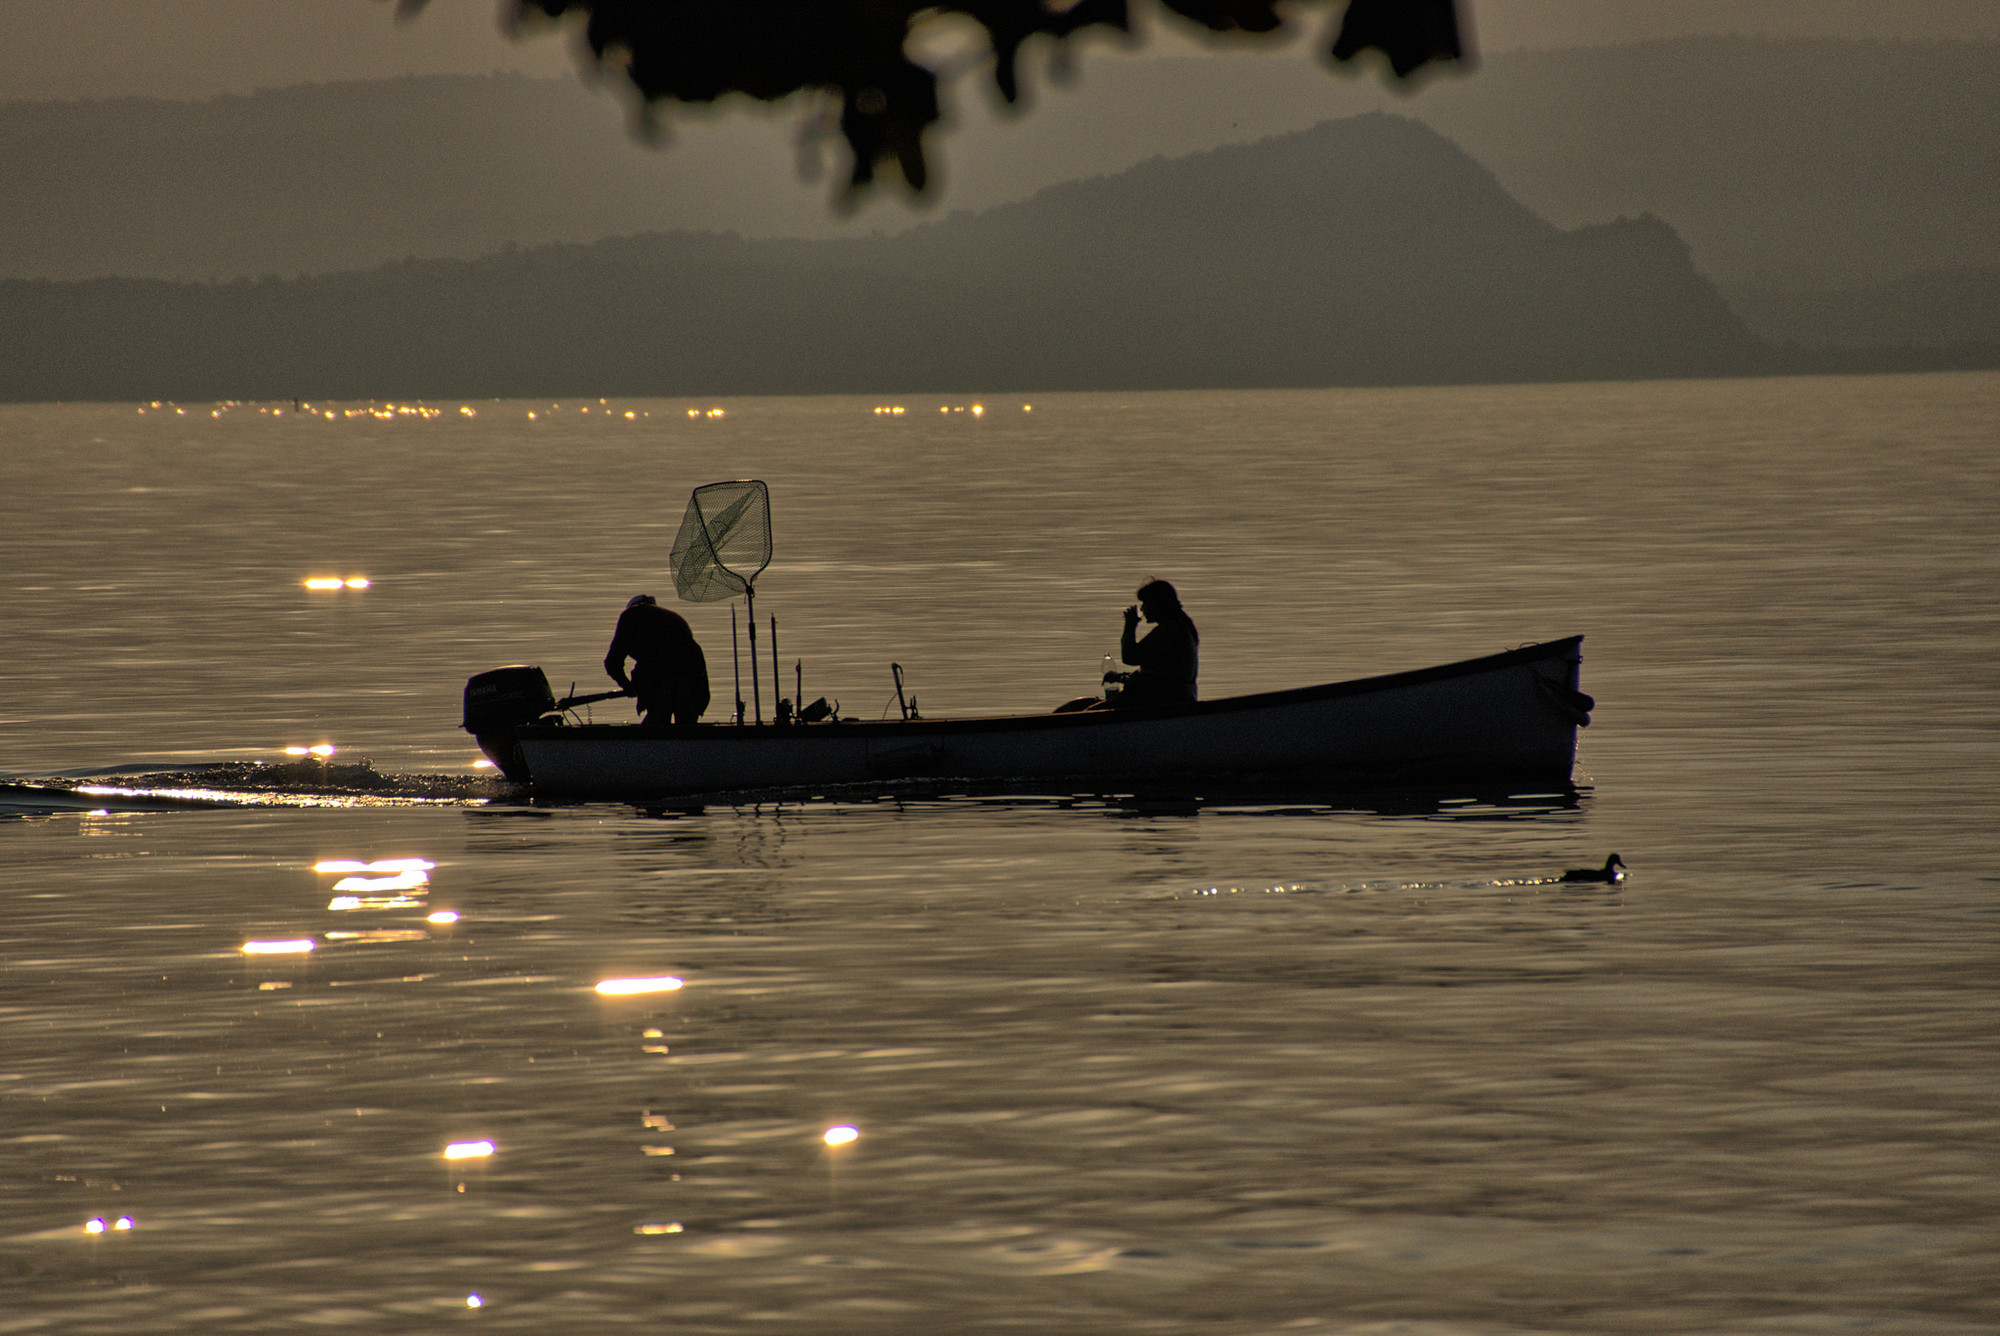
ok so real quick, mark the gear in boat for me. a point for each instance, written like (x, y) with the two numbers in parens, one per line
(1509, 717)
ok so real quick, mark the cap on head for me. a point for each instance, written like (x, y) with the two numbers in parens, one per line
(638, 599)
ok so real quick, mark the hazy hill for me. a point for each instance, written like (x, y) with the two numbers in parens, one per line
(1364, 251)
(1957, 309)
(329, 177)
(1806, 165)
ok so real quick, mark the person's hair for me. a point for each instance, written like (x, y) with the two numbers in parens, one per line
(1156, 590)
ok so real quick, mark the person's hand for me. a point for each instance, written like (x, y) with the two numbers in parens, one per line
(1132, 615)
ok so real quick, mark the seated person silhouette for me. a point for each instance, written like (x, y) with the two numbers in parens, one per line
(669, 671)
(1166, 660)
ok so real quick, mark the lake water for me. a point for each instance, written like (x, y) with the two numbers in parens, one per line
(1116, 1066)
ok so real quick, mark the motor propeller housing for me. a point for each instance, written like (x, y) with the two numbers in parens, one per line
(506, 698)
(499, 701)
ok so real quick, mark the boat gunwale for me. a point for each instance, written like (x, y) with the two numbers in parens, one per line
(852, 728)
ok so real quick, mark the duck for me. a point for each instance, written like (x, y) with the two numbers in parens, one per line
(1612, 871)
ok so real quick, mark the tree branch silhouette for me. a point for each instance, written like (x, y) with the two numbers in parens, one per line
(695, 51)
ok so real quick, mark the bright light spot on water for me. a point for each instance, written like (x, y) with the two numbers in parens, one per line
(357, 582)
(271, 987)
(631, 416)
(123, 1222)
(380, 865)
(324, 750)
(289, 946)
(652, 1034)
(977, 409)
(482, 764)
(468, 1150)
(474, 1301)
(665, 983)
(345, 903)
(840, 1136)
(402, 881)
(657, 1150)
(672, 1227)
(467, 411)
(326, 582)
(443, 916)
(1027, 408)
(93, 1227)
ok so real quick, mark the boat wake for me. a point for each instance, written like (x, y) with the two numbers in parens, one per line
(247, 784)
(312, 783)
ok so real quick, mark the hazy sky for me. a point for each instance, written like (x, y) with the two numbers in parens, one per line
(197, 48)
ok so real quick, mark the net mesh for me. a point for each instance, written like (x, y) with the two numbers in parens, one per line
(724, 542)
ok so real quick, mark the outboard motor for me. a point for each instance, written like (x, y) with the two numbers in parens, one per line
(498, 702)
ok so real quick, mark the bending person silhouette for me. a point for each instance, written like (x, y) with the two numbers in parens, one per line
(1167, 660)
(669, 671)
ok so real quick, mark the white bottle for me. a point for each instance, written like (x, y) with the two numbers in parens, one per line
(1111, 686)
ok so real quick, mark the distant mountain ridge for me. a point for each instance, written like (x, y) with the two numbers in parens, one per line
(1364, 251)
(1807, 164)
(1956, 309)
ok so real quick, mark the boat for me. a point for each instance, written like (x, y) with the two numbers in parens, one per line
(1503, 719)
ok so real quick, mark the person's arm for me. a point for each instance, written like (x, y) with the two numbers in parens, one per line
(1128, 644)
(614, 660)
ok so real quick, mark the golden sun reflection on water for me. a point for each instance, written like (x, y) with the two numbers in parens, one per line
(346, 903)
(665, 983)
(401, 881)
(382, 865)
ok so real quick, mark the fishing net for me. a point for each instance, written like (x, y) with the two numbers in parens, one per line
(724, 542)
